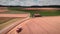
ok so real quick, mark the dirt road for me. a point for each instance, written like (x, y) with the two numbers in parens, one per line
(40, 25)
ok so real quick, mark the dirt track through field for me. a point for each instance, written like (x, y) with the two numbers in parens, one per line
(39, 25)
(14, 15)
(41, 9)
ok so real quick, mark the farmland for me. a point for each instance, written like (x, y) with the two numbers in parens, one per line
(7, 21)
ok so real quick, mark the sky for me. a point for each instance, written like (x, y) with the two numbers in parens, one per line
(29, 2)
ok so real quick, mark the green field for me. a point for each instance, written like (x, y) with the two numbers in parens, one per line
(45, 13)
(32, 12)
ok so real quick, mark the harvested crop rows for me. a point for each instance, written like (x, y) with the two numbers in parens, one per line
(40, 25)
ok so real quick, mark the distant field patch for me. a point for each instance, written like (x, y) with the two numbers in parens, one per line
(6, 21)
(50, 13)
(13, 12)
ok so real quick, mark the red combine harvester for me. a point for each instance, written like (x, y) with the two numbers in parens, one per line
(37, 15)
